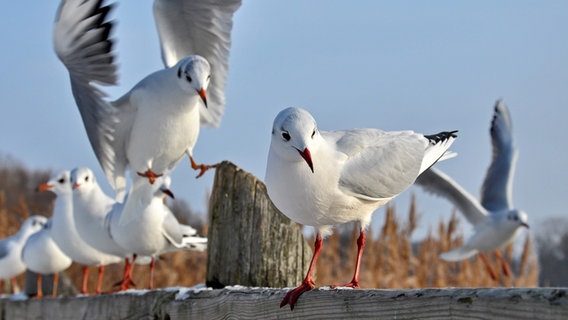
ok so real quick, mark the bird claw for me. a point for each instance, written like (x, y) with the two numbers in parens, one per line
(203, 168)
(125, 284)
(292, 296)
(353, 284)
(151, 175)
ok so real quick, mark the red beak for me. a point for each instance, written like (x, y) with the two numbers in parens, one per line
(44, 187)
(203, 96)
(308, 157)
(76, 185)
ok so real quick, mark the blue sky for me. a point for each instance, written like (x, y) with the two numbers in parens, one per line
(425, 66)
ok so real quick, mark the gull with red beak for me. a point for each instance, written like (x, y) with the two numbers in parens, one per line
(349, 174)
(151, 127)
(496, 222)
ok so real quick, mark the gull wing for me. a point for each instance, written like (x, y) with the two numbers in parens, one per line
(202, 28)
(437, 182)
(496, 191)
(81, 39)
(380, 164)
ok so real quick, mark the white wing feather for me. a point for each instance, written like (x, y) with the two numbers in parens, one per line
(202, 28)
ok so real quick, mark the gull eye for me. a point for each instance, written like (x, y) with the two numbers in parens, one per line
(188, 77)
(61, 181)
(313, 133)
(87, 178)
(286, 136)
(208, 77)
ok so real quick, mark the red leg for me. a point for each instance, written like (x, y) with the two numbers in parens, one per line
(504, 264)
(39, 286)
(151, 175)
(100, 279)
(152, 264)
(55, 283)
(85, 278)
(201, 167)
(360, 246)
(308, 283)
(488, 266)
(127, 281)
(13, 284)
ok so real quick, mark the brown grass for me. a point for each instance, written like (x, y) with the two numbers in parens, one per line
(390, 259)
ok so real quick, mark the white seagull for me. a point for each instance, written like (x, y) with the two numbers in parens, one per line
(145, 226)
(11, 263)
(91, 210)
(65, 232)
(157, 122)
(349, 174)
(44, 257)
(496, 222)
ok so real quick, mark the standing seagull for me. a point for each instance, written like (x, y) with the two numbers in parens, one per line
(44, 257)
(496, 222)
(349, 174)
(11, 263)
(65, 232)
(157, 122)
(91, 210)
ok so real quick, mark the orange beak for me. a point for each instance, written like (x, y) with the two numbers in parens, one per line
(44, 187)
(203, 96)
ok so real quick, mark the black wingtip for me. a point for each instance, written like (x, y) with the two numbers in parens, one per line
(441, 136)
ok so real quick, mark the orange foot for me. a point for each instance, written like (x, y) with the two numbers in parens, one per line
(292, 296)
(201, 167)
(125, 284)
(151, 175)
(353, 284)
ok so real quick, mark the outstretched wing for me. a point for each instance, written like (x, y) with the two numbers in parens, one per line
(437, 182)
(81, 39)
(202, 28)
(496, 191)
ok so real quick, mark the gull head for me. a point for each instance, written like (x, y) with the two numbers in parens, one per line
(164, 188)
(517, 219)
(194, 75)
(58, 184)
(295, 136)
(33, 224)
(82, 180)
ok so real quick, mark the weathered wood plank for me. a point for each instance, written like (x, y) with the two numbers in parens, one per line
(263, 303)
(250, 242)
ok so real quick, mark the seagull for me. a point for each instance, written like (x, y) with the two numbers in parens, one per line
(325, 178)
(11, 263)
(91, 209)
(65, 232)
(151, 127)
(43, 256)
(147, 227)
(496, 222)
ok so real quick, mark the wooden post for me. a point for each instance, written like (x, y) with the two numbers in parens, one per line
(250, 242)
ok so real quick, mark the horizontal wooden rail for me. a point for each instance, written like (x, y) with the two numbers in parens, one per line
(263, 303)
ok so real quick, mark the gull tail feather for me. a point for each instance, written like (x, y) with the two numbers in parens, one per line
(194, 243)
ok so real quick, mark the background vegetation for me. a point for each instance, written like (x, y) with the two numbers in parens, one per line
(390, 260)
